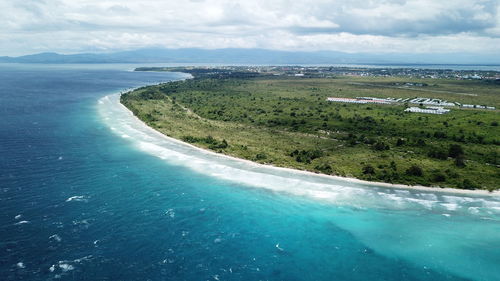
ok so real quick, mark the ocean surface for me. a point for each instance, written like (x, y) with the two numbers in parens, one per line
(87, 192)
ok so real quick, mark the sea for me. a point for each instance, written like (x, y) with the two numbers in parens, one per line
(88, 192)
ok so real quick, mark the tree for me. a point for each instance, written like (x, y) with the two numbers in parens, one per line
(393, 166)
(210, 140)
(455, 150)
(260, 156)
(460, 161)
(380, 145)
(224, 144)
(438, 153)
(415, 170)
(400, 142)
(324, 168)
(368, 170)
(420, 142)
(439, 177)
(468, 184)
(440, 135)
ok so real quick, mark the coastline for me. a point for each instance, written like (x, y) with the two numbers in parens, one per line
(318, 175)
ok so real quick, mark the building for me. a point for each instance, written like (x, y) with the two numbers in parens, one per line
(428, 110)
(429, 101)
(347, 100)
(362, 100)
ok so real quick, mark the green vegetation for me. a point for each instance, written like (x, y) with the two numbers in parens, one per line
(286, 121)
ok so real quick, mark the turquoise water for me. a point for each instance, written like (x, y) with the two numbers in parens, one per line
(87, 192)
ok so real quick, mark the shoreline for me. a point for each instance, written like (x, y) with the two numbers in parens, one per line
(447, 190)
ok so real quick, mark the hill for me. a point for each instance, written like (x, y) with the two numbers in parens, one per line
(251, 56)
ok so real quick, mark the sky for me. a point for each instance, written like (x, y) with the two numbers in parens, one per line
(370, 26)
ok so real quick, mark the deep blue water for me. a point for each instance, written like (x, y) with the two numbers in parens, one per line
(81, 198)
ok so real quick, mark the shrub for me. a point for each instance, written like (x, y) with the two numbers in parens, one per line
(260, 156)
(380, 145)
(190, 139)
(421, 142)
(438, 153)
(440, 135)
(324, 168)
(393, 166)
(369, 140)
(306, 156)
(451, 173)
(439, 177)
(460, 161)
(455, 150)
(368, 170)
(415, 170)
(210, 140)
(400, 142)
(217, 145)
(468, 184)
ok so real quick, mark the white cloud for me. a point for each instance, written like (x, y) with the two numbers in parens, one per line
(353, 26)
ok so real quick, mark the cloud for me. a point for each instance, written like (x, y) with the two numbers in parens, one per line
(369, 25)
(413, 18)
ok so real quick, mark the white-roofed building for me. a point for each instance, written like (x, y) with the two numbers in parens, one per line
(428, 110)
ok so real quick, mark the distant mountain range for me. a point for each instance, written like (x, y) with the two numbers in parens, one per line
(253, 56)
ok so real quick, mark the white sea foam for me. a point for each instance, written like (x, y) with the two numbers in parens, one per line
(450, 206)
(427, 196)
(82, 223)
(456, 199)
(474, 210)
(86, 258)
(56, 238)
(332, 189)
(170, 213)
(21, 222)
(20, 265)
(66, 267)
(428, 204)
(491, 204)
(402, 192)
(396, 198)
(78, 198)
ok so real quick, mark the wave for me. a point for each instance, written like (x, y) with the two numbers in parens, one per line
(78, 198)
(337, 190)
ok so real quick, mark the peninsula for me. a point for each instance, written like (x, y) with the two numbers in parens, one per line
(407, 126)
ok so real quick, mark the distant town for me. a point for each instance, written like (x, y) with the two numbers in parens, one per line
(378, 72)
(332, 71)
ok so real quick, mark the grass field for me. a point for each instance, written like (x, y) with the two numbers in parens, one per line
(286, 121)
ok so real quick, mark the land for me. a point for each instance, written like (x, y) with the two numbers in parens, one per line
(252, 56)
(281, 116)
